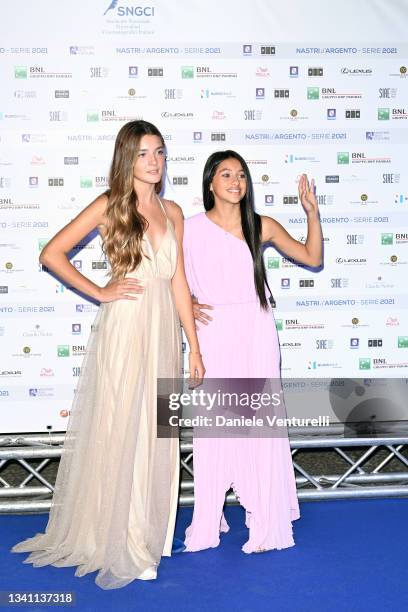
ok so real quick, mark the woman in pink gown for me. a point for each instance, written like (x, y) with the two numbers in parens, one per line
(225, 272)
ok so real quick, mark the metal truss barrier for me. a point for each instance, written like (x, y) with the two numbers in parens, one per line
(364, 460)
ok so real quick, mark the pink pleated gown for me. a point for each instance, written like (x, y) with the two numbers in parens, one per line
(240, 342)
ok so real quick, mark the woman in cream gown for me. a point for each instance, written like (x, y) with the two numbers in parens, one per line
(115, 499)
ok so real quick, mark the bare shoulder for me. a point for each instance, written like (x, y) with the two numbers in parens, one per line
(269, 227)
(100, 203)
(98, 207)
(174, 211)
(272, 229)
(267, 219)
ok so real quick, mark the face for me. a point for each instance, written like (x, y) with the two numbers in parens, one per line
(229, 182)
(150, 160)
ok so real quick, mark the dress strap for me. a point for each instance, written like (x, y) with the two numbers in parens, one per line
(163, 209)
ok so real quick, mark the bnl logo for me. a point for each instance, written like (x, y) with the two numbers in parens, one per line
(130, 11)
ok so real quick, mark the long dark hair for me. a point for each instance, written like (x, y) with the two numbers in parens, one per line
(125, 224)
(250, 220)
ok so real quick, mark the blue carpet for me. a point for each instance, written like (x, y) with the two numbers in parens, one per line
(349, 556)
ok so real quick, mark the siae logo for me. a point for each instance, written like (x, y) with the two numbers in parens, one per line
(173, 94)
(324, 344)
(387, 92)
(252, 115)
(98, 72)
(57, 116)
(354, 239)
(390, 177)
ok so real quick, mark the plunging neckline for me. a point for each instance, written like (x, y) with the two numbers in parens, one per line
(155, 253)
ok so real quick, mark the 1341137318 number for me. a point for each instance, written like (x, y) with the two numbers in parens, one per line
(37, 597)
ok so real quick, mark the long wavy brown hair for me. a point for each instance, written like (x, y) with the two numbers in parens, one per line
(125, 226)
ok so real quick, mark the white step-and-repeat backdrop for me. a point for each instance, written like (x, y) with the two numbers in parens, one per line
(293, 86)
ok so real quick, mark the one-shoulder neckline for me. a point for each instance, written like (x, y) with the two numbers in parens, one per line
(223, 230)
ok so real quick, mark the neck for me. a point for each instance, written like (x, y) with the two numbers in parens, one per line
(146, 194)
(226, 214)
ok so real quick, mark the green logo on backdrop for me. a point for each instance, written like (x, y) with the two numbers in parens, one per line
(312, 93)
(63, 350)
(364, 363)
(86, 181)
(343, 158)
(402, 341)
(383, 114)
(20, 72)
(273, 263)
(387, 238)
(187, 72)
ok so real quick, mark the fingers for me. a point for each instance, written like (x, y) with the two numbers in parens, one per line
(123, 289)
(130, 282)
(301, 185)
(129, 286)
(312, 186)
(201, 316)
(198, 306)
(200, 372)
(306, 189)
(197, 371)
(196, 380)
(135, 289)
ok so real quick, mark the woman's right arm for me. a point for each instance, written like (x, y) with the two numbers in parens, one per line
(54, 256)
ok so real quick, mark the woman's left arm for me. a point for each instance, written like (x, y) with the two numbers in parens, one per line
(309, 253)
(182, 296)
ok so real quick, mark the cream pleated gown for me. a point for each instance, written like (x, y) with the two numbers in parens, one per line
(115, 499)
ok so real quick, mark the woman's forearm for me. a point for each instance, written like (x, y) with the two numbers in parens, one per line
(184, 305)
(314, 240)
